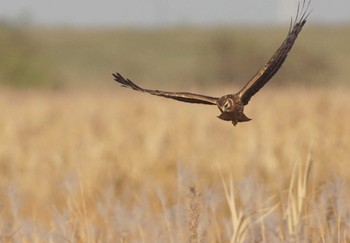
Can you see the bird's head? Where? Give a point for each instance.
(226, 104)
(231, 109)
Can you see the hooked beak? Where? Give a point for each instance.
(222, 108)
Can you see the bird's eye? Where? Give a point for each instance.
(226, 105)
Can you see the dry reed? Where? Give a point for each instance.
(106, 167)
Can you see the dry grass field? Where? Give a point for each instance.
(103, 166)
(83, 160)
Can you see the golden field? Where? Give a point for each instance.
(116, 166)
(83, 160)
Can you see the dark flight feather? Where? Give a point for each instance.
(180, 96)
(276, 61)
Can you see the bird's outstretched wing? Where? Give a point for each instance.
(180, 96)
(276, 61)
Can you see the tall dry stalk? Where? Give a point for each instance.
(193, 209)
(296, 197)
(86, 235)
(239, 220)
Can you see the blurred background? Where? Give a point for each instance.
(84, 160)
(77, 43)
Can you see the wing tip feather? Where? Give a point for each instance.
(295, 27)
(125, 82)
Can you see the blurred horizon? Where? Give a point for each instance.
(70, 44)
(165, 13)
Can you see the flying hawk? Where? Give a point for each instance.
(231, 106)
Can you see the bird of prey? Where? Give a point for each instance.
(231, 105)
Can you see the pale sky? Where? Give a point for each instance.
(168, 12)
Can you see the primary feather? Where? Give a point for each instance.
(276, 61)
(180, 96)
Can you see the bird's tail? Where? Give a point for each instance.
(243, 118)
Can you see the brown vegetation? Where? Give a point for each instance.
(101, 167)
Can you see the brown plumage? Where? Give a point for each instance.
(232, 105)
